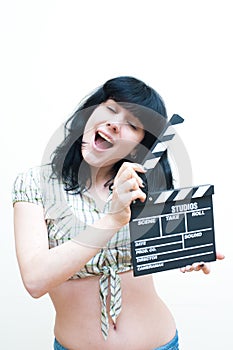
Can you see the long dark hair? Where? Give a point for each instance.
(143, 101)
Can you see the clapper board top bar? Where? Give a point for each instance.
(179, 194)
(183, 193)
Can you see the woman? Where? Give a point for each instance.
(71, 224)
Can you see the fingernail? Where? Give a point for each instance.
(143, 168)
(202, 265)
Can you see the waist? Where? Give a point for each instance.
(144, 318)
(171, 345)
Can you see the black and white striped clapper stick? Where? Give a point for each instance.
(161, 143)
(183, 194)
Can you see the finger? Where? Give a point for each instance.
(197, 266)
(138, 194)
(128, 192)
(220, 256)
(126, 198)
(127, 174)
(205, 267)
(127, 186)
(134, 166)
(187, 268)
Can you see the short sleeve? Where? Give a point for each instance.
(26, 187)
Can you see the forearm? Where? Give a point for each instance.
(47, 268)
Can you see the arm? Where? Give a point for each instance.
(42, 268)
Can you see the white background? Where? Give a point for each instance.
(53, 53)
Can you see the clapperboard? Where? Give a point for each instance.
(172, 228)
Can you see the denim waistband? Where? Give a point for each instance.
(172, 345)
(58, 346)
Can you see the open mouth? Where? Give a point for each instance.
(102, 141)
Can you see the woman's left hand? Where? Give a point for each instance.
(202, 266)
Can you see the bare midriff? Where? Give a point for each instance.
(143, 324)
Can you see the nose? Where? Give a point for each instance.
(114, 126)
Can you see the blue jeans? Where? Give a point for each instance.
(172, 345)
(58, 346)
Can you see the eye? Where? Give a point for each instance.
(112, 109)
(132, 125)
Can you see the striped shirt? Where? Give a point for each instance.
(66, 215)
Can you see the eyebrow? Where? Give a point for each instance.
(129, 107)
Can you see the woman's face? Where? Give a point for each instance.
(111, 133)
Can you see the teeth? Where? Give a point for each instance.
(104, 137)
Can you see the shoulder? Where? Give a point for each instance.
(27, 185)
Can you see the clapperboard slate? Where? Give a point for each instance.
(172, 229)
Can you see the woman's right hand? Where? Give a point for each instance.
(126, 188)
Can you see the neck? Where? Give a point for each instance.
(99, 176)
(98, 190)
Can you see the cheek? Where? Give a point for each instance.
(86, 137)
(88, 128)
(133, 137)
(126, 146)
(140, 136)
(88, 132)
